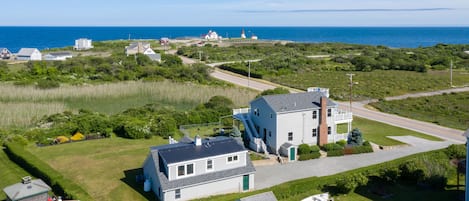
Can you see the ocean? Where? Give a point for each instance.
(15, 38)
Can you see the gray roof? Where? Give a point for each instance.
(294, 101)
(287, 145)
(267, 196)
(184, 152)
(59, 54)
(203, 178)
(26, 51)
(19, 191)
(154, 57)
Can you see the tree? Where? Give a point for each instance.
(355, 138)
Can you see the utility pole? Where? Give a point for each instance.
(200, 56)
(451, 74)
(249, 71)
(351, 84)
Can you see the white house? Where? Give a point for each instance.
(58, 56)
(211, 35)
(4, 53)
(279, 123)
(32, 54)
(189, 170)
(83, 44)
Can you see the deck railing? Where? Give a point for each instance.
(241, 111)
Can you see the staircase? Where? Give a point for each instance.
(255, 142)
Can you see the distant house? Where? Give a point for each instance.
(137, 47)
(164, 41)
(28, 190)
(211, 35)
(83, 44)
(142, 48)
(280, 123)
(31, 54)
(4, 53)
(58, 56)
(189, 170)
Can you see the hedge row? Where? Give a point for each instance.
(59, 184)
(313, 155)
(240, 71)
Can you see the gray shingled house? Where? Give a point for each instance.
(27, 190)
(188, 170)
(4, 53)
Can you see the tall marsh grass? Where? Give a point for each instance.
(21, 104)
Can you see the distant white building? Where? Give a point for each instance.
(58, 56)
(212, 35)
(31, 54)
(254, 37)
(243, 34)
(83, 44)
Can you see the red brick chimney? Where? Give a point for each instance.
(323, 122)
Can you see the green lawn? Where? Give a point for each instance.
(105, 168)
(377, 132)
(450, 110)
(10, 173)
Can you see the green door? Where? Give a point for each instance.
(245, 182)
(292, 153)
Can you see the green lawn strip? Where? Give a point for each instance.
(450, 110)
(100, 166)
(377, 132)
(302, 188)
(10, 173)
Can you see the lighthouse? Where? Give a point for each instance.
(243, 35)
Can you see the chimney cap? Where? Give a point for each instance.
(26, 180)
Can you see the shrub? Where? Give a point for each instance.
(348, 183)
(355, 138)
(315, 148)
(389, 174)
(339, 152)
(332, 147)
(314, 155)
(304, 149)
(456, 151)
(342, 143)
(367, 143)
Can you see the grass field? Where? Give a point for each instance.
(377, 132)
(10, 173)
(20, 106)
(375, 84)
(450, 110)
(104, 168)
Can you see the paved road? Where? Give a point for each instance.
(267, 176)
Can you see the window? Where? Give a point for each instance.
(177, 194)
(315, 114)
(232, 159)
(270, 133)
(315, 132)
(329, 112)
(329, 130)
(209, 164)
(290, 136)
(190, 169)
(258, 112)
(184, 170)
(181, 170)
(271, 115)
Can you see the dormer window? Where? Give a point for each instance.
(232, 159)
(209, 164)
(185, 170)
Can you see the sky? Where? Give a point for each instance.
(236, 13)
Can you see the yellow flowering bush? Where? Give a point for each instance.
(62, 139)
(77, 137)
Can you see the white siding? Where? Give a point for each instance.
(219, 164)
(231, 185)
(267, 119)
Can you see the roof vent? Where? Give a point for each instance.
(198, 140)
(26, 180)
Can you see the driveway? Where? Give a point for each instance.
(267, 176)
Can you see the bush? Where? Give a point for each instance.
(456, 151)
(315, 148)
(355, 138)
(342, 143)
(304, 149)
(59, 184)
(314, 155)
(348, 183)
(332, 147)
(339, 152)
